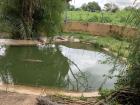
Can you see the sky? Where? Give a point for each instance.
(120, 3)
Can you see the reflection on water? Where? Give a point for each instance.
(2, 50)
(54, 66)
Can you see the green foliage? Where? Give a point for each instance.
(135, 17)
(129, 8)
(130, 77)
(84, 7)
(91, 6)
(111, 7)
(52, 16)
(108, 7)
(134, 64)
(109, 42)
(119, 17)
(101, 19)
(105, 93)
(28, 18)
(83, 98)
(71, 7)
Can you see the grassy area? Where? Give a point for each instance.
(113, 44)
(119, 18)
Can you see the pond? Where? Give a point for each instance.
(69, 66)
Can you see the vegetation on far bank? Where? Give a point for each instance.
(112, 43)
(118, 18)
(110, 13)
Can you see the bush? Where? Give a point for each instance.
(94, 19)
(104, 19)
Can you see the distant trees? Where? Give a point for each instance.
(94, 6)
(108, 7)
(91, 6)
(84, 7)
(111, 7)
(129, 8)
(71, 7)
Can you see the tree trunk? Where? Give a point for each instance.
(27, 16)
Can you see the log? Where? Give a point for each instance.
(45, 101)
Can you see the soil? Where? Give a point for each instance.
(12, 98)
(43, 40)
(9, 98)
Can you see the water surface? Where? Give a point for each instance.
(68, 66)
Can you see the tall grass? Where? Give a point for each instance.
(118, 18)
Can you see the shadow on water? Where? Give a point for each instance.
(55, 66)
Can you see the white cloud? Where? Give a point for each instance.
(124, 3)
(120, 3)
(78, 3)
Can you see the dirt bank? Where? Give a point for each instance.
(45, 91)
(8, 98)
(16, 95)
(11, 98)
(57, 39)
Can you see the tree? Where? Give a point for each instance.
(28, 18)
(108, 7)
(84, 7)
(77, 9)
(91, 6)
(129, 8)
(114, 8)
(111, 7)
(71, 7)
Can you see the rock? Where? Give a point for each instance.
(43, 39)
(71, 39)
(106, 49)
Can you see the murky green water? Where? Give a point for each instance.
(68, 66)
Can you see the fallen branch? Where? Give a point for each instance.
(123, 97)
(45, 101)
